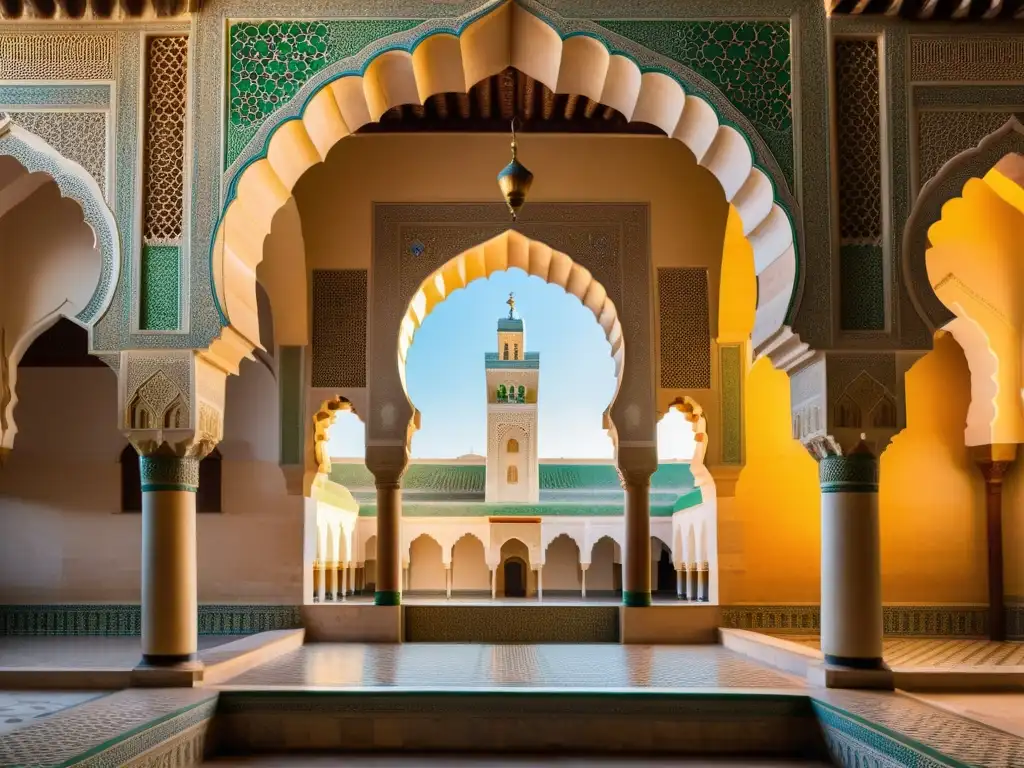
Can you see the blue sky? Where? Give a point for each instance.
(445, 372)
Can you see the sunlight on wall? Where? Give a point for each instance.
(737, 298)
(347, 437)
(931, 496)
(769, 536)
(675, 437)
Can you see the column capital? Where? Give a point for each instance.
(387, 463)
(993, 460)
(854, 472)
(168, 472)
(171, 402)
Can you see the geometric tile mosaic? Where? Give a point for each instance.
(60, 56)
(748, 61)
(159, 284)
(271, 60)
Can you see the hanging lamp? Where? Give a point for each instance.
(514, 180)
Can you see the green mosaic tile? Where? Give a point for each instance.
(862, 288)
(159, 282)
(748, 61)
(272, 60)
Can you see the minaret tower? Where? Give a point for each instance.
(512, 387)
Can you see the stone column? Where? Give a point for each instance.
(691, 582)
(636, 465)
(680, 576)
(388, 463)
(851, 573)
(540, 582)
(448, 581)
(170, 604)
(583, 579)
(993, 461)
(343, 570)
(494, 584)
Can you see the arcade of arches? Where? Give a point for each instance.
(222, 344)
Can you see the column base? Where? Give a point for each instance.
(855, 662)
(167, 660)
(387, 598)
(636, 599)
(831, 675)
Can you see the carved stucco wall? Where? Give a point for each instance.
(610, 240)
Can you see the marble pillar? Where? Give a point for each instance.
(851, 573)
(170, 604)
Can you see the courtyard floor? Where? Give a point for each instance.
(937, 653)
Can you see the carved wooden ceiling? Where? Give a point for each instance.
(932, 10)
(491, 104)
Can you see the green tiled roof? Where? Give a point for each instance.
(453, 490)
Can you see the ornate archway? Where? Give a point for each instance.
(85, 288)
(503, 34)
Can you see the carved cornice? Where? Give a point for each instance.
(930, 10)
(94, 10)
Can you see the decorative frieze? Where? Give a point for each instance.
(966, 58)
(58, 56)
(684, 332)
(897, 620)
(166, 78)
(944, 134)
(126, 620)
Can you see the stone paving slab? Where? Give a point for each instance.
(937, 653)
(20, 708)
(455, 665)
(83, 652)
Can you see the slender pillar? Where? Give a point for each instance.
(494, 584)
(170, 604)
(389, 564)
(583, 580)
(540, 583)
(405, 577)
(332, 588)
(636, 567)
(993, 461)
(448, 581)
(851, 573)
(344, 579)
(691, 582)
(679, 583)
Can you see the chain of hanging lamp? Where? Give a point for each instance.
(515, 180)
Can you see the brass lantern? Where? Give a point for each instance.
(514, 180)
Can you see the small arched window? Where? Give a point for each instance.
(506, 351)
(502, 392)
(512, 475)
(522, 394)
(515, 348)
(513, 446)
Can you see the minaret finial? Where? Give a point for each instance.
(511, 306)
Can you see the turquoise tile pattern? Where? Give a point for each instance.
(748, 61)
(160, 284)
(272, 60)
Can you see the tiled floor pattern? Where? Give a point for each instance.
(456, 761)
(444, 665)
(18, 708)
(921, 652)
(54, 740)
(1004, 711)
(83, 652)
(965, 740)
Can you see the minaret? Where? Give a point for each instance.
(512, 388)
